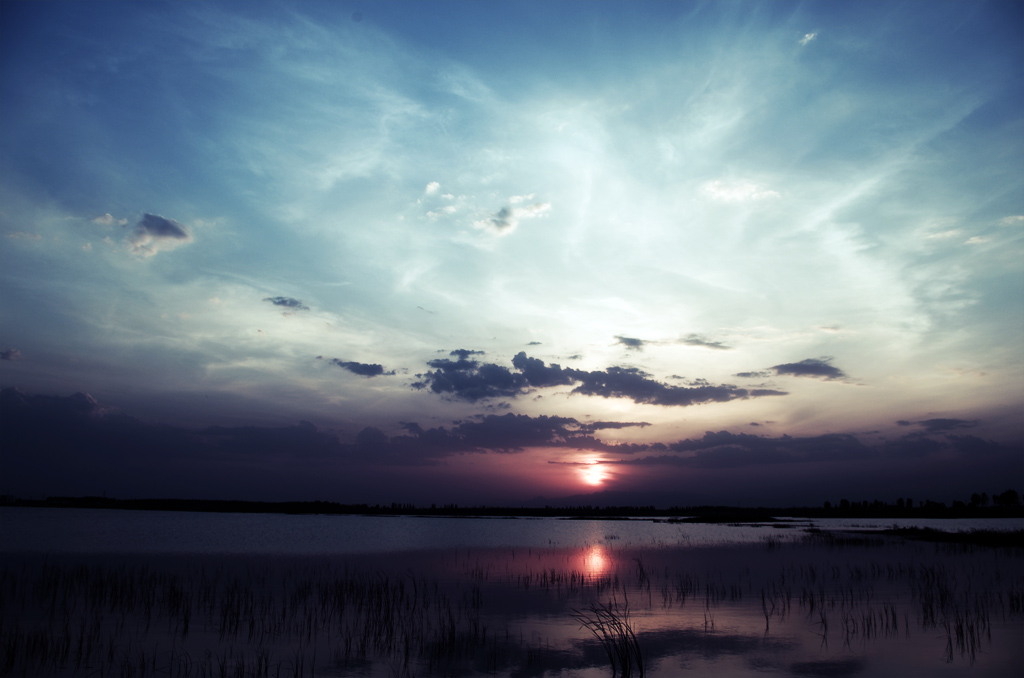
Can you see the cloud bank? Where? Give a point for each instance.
(471, 380)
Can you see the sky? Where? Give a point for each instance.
(666, 253)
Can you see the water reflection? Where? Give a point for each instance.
(595, 562)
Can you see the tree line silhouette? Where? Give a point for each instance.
(1003, 504)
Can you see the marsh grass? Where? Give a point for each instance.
(614, 630)
(505, 614)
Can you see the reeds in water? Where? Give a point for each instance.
(613, 629)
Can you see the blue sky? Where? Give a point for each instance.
(778, 221)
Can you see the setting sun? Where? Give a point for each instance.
(593, 474)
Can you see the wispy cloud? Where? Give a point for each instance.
(22, 235)
(109, 220)
(702, 341)
(736, 191)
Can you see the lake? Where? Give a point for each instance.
(105, 592)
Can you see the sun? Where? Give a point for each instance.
(593, 474)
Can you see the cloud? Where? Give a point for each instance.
(753, 375)
(807, 38)
(539, 375)
(362, 369)
(736, 191)
(630, 382)
(598, 425)
(630, 342)
(109, 220)
(472, 381)
(469, 380)
(288, 302)
(75, 445)
(445, 211)
(698, 340)
(811, 367)
(1015, 220)
(724, 449)
(505, 220)
(432, 188)
(942, 235)
(155, 233)
(940, 425)
(11, 354)
(762, 392)
(22, 235)
(912, 446)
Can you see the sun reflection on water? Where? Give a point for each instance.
(595, 561)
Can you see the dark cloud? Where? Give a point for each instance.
(722, 448)
(597, 425)
(534, 343)
(470, 380)
(507, 433)
(631, 342)
(75, 446)
(971, 446)
(154, 233)
(761, 392)
(940, 425)
(362, 369)
(538, 374)
(630, 382)
(753, 375)
(11, 354)
(302, 441)
(55, 445)
(288, 302)
(811, 367)
(913, 445)
(698, 340)
(463, 353)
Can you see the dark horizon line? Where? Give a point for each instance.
(704, 513)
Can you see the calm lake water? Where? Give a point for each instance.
(103, 592)
(116, 531)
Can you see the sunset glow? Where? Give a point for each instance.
(594, 474)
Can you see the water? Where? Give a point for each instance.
(100, 592)
(54, 530)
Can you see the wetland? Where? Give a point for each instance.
(133, 593)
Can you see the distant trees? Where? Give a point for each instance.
(1008, 499)
(979, 503)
